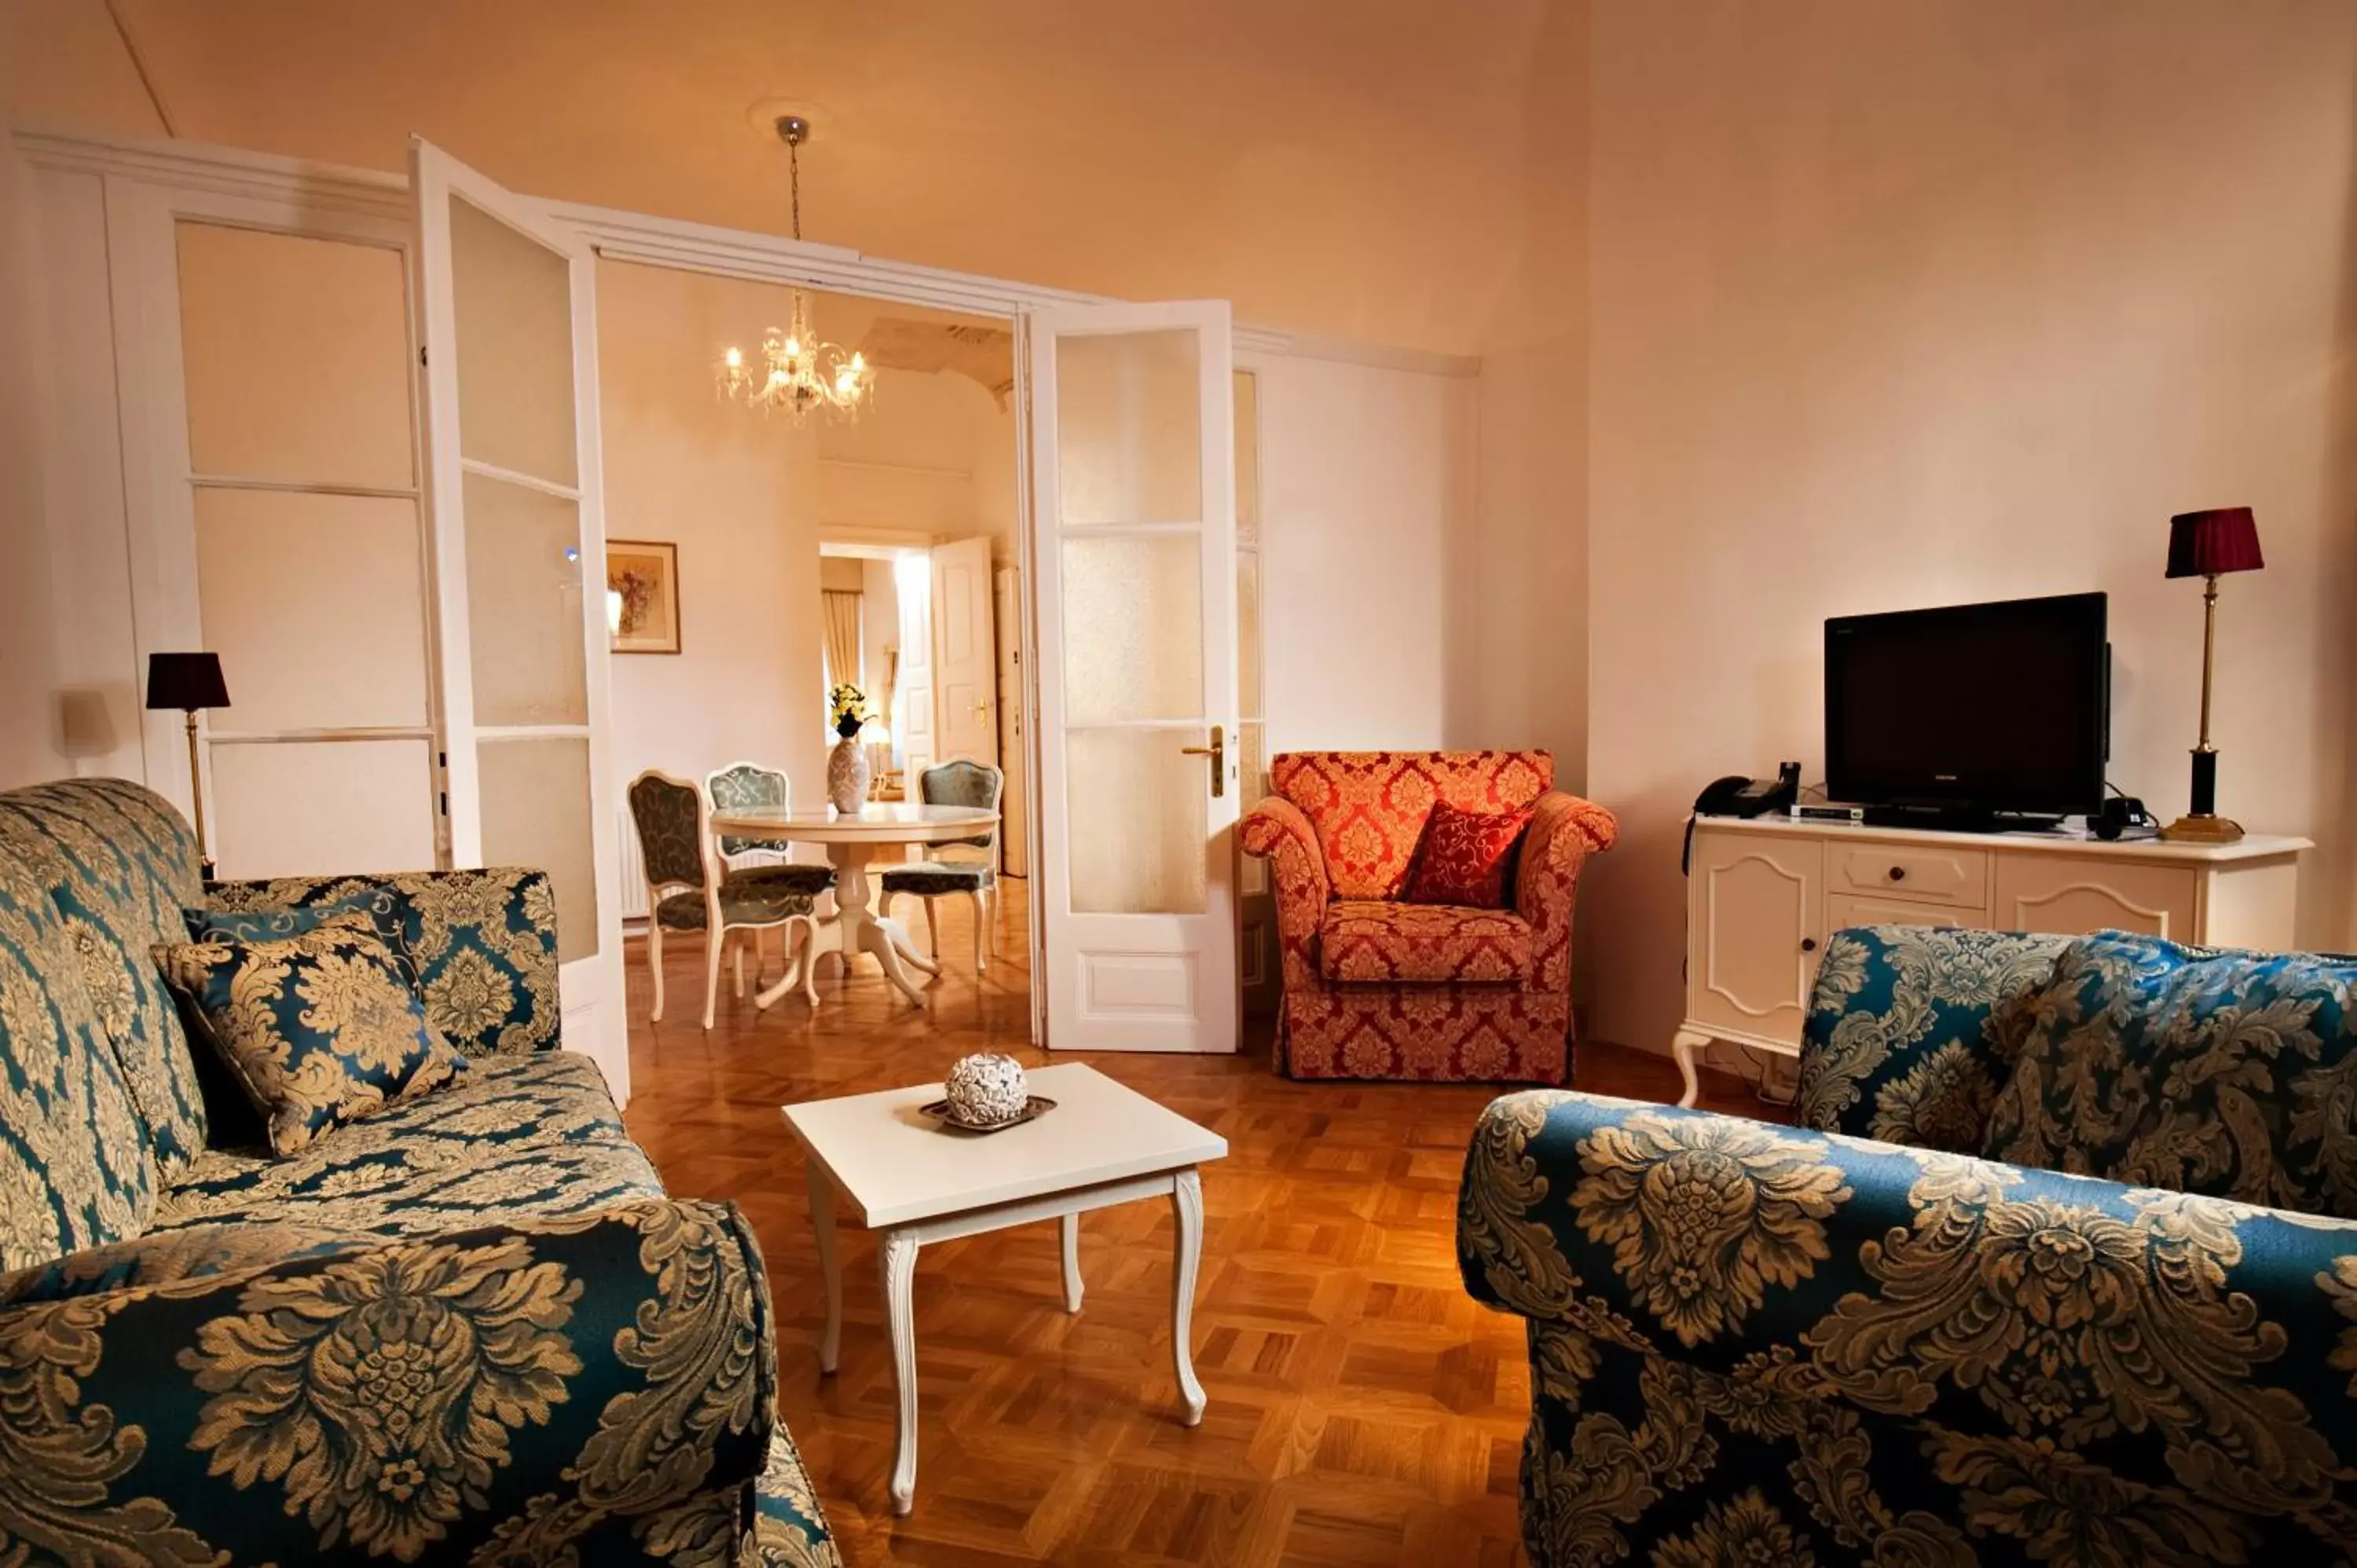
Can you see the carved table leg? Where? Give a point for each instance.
(1186, 1207)
(830, 1266)
(899, 1257)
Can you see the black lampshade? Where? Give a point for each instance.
(185, 680)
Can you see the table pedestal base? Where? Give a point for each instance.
(852, 930)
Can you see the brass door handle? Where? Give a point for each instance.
(1218, 752)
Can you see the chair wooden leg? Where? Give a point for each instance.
(932, 931)
(981, 931)
(736, 960)
(654, 965)
(714, 942)
(810, 961)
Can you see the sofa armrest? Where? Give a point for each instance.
(1278, 832)
(1565, 829)
(596, 1388)
(485, 943)
(1985, 1334)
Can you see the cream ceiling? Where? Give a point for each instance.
(1356, 167)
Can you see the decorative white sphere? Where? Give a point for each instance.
(986, 1089)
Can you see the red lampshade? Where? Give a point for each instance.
(2212, 543)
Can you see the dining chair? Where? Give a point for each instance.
(749, 787)
(688, 889)
(959, 782)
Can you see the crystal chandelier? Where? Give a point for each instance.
(797, 371)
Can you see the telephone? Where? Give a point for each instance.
(1736, 795)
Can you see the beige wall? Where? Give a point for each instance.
(29, 739)
(748, 500)
(738, 495)
(1518, 645)
(1907, 305)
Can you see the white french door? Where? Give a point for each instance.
(965, 651)
(1134, 544)
(511, 445)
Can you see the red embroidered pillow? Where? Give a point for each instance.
(1466, 857)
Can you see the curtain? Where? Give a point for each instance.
(841, 614)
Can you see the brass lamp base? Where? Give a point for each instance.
(2203, 827)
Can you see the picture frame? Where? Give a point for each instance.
(643, 595)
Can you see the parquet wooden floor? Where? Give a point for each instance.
(1363, 1410)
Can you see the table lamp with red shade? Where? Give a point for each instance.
(2209, 544)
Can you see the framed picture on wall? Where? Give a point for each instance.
(643, 595)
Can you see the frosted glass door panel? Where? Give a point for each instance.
(524, 605)
(296, 355)
(1247, 387)
(316, 605)
(536, 812)
(514, 307)
(1133, 627)
(1129, 428)
(322, 808)
(1248, 631)
(1136, 807)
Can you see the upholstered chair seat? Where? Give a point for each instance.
(1375, 941)
(738, 907)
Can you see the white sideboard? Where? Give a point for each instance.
(1763, 893)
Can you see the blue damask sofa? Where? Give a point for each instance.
(1863, 1342)
(470, 1329)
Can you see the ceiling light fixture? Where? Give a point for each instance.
(796, 371)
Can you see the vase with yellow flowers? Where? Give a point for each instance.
(846, 764)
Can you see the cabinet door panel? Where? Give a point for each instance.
(1755, 921)
(2072, 895)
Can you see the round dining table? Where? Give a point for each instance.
(852, 839)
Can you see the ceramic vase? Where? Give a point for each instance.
(846, 775)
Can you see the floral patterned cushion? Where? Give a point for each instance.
(1912, 1030)
(2232, 1074)
(321, 1027)
(1466, 857)
(484, 941)
(1374, 941)
(1368, 808)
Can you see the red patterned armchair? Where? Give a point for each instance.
(1378, 988)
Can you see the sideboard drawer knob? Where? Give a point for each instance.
(1898, 874)
(1808, 944)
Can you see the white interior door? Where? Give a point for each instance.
(966, 653)
(1134, 547)
(513, 459)
(912, 698)
(1013, 832)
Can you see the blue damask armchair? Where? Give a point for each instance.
(1858, 1342)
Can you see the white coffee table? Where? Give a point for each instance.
(903, 1174)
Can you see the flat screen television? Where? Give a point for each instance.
(1962, 714)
